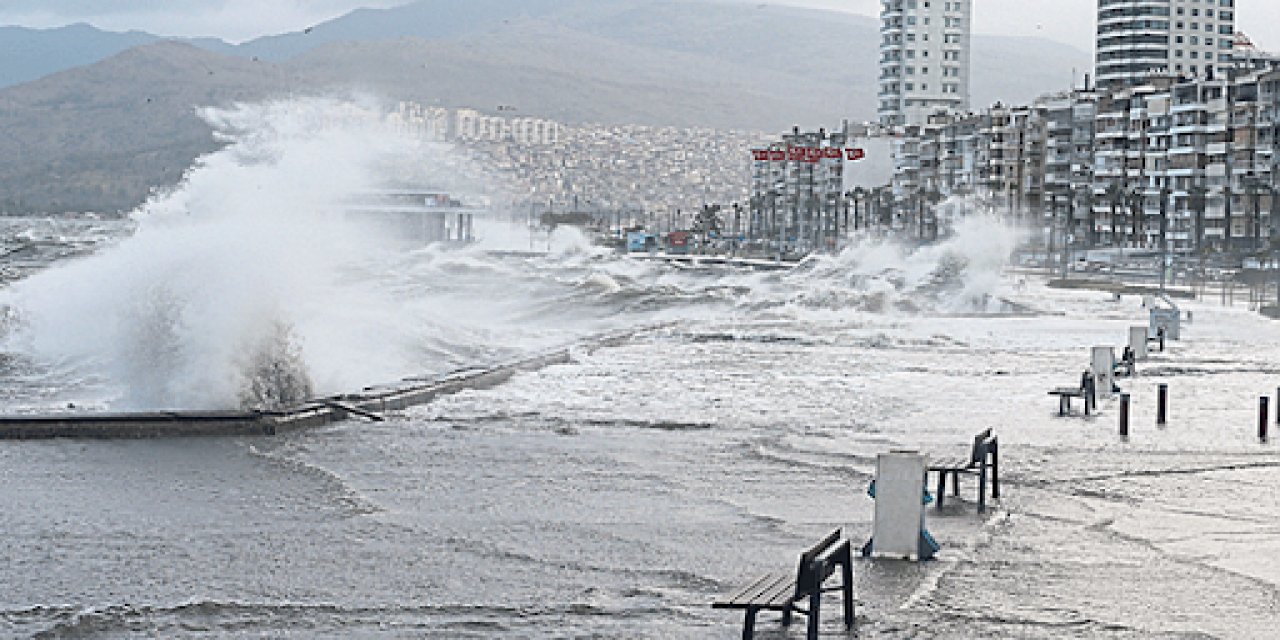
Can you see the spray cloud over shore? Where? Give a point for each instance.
(242, 285)
(246, 287)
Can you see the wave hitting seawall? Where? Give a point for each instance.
(368, 403)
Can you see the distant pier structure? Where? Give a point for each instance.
(417, 216)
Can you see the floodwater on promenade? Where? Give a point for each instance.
(618, 495)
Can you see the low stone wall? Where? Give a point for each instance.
(314, 413)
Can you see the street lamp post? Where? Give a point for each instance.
(1137, 209)
(1114, 195)
(1164, 234)
(1051, 227)
(1255, 191)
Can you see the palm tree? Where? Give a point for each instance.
(1197, 200)
(1115, 194)
(1137, 206)
(1090, 232)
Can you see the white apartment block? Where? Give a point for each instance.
(470, 124)
(1182, 38)
(924, 59)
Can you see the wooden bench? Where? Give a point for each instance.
(1127, 365)
(781, 591)
(1085, 392)
(984, 456)
(1158, 339)
(1065, 394)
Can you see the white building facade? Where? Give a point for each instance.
(1181, 38)
(924, 59)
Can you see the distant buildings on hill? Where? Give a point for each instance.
(631, 172)
(440, 124)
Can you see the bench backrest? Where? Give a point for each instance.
(819, 562)
(981, 445)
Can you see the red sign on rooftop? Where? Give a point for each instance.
(806, 154)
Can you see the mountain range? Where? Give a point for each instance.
(93, 120)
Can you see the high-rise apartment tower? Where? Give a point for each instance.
(924, 59)
(1188, 38)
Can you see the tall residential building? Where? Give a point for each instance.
(924, 59)
(1182, 38)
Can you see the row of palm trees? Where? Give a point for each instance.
(1128, 226)
(775, 216)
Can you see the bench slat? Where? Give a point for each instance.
(817, 549)
(781, 596)
(750, 591)
(750, 594)
(951, 464)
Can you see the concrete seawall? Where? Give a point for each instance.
(368, 403)
(133, 425)
(695, 260)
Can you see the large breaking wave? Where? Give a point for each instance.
(245, 286)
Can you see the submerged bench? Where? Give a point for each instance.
(1085, 392)
(1158, 338)
(1127, 365)
(983, 457)
(781, 591)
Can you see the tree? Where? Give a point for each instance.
(1090, 232)
(708, 221)
(1115, 194)
(1137, 204)
(1197, 201)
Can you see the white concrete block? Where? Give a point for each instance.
(1103, 366)
(900, 477)
(1138, 342)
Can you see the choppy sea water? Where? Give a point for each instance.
(617, 496)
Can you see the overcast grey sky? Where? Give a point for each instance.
(1070, 21)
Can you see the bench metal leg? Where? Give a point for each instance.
(749, 625)
(982, 486)
(955, 483)
(995, 470)
(847, 577)
(815, 602)
(786, 617)
(942, 488)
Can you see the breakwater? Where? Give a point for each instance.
(368, 403)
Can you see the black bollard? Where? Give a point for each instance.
(1262, 418)
(1124, 415)
(1277, 405)
(1162, 404)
